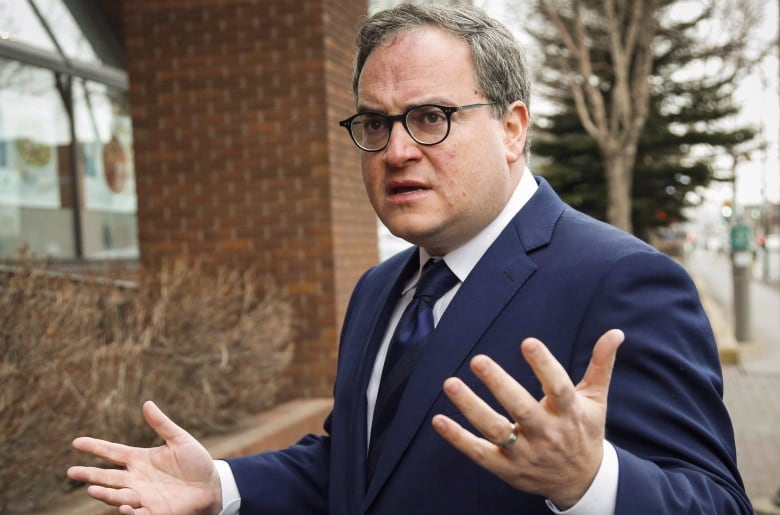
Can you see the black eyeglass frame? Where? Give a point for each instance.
(391, 119)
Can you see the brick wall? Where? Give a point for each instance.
(239, 156)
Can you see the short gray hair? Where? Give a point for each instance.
(500, 67)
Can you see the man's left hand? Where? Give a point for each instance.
(552, 447)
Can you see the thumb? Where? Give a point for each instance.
(165, 428)
(599, 373)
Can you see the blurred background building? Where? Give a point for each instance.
(133, 131)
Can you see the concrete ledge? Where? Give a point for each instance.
(728, 347)
(276, 428)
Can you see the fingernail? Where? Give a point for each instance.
(452, 385)
(479, 363)
(531, 346)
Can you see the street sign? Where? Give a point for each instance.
(740, 237)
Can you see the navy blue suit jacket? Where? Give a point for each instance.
(564, 278)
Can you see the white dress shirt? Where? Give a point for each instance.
(601, 496)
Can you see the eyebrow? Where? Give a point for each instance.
(437, 101)
(364, 109)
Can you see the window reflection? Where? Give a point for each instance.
(105, 143)
(35, 144)
(67, 180)
(19, 22)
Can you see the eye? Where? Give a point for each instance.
(371, 124)
(427, 116)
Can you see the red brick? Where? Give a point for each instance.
(216, 87)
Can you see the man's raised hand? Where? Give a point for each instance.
(177, 477)
(552, 447)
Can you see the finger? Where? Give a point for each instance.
(165, 428)
(112, 478)
(493, 426)
(129, 510)
(522, 407)
(111, 452)
(520, 404)
(595, 382)
(113, 496)
(477, 449)
(556, 384)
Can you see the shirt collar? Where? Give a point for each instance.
(464, 258)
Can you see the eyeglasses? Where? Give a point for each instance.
(427, 124)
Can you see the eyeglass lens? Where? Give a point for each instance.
(427, 124)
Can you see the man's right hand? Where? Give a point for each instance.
(178, 477)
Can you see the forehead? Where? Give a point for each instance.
(414, 65)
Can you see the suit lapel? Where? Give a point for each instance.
(374, 325)
(470, 313)
(495, 279)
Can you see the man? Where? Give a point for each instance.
(483, 424)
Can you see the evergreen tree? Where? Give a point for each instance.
(676, 149)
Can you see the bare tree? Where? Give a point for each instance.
(614, 114)
(630, 27)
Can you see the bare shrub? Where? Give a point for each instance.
(80, 357)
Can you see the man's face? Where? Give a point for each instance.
(440, 196)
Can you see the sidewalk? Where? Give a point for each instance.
(751, 396)
(752, 400)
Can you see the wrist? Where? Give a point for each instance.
(216, 503)
(601, 495)
(564, 499)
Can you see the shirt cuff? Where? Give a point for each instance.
(601, 496)
(231, 500)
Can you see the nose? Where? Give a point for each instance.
(401, 147)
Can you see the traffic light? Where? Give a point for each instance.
(727, 210)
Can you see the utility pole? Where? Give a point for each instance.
(741, 259)
(740, 239)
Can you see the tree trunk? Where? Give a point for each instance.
(616, 124)
(619, 168)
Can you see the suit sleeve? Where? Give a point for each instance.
(286, 482)
(665, 414)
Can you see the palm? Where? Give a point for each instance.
(155, 473)
(178, 477)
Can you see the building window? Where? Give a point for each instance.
(105, 149)
(35, 145)
(67, 181)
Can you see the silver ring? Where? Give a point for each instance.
(510, 440)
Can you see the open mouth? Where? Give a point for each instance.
(402, 190)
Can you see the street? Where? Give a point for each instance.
(713, 272)
(750, 388)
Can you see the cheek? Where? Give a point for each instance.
(461, 172)
(448, 165)
(369, 172)
(373, 183)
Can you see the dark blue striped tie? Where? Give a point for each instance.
(405, 348)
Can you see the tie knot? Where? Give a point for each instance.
(436, 280)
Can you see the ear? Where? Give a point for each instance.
(515, 122)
